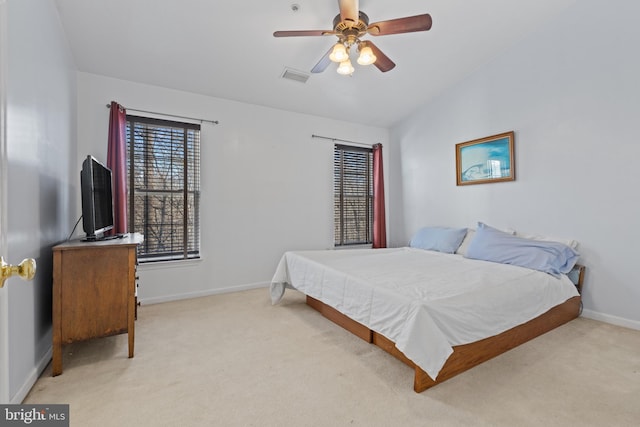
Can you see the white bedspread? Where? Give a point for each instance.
(424, 301)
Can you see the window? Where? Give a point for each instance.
(353, 195)
(163, 165)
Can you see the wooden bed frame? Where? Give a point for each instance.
(465, 356)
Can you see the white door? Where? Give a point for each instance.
(4, 304)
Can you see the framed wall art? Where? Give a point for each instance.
(486, 160)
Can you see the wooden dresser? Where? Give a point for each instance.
(94, 291)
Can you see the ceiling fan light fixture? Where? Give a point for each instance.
(345, 68)
(339, 53)
(350, 26)
(366, 56)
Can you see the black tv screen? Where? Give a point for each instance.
(97, 198)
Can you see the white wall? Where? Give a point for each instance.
(571, 94)
(41, 112)
(267, 186)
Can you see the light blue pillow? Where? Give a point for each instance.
(441, 239)
(490, 244)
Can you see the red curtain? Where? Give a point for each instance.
(117, 162)
(379, 222)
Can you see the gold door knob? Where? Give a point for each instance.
(26, 270)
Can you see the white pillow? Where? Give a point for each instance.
(573, 244)
(462, 249)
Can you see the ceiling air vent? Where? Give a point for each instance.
(298, 76)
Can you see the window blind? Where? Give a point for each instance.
(353, 195)
(164, 187)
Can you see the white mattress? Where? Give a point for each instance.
(425, 302)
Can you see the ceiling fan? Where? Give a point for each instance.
(350, 26)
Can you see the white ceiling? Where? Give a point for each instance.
(226, 49)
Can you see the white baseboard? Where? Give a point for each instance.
(614, 320)
(205, 293)
(32, 378)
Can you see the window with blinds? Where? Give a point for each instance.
(353, 195)
(163, 164)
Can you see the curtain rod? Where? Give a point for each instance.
(343, 140)
(215, 122)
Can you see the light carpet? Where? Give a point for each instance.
(236, 360)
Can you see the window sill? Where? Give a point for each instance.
(359, 246)
(162, 265)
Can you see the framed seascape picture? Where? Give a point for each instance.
(486, 160)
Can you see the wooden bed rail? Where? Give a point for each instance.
(465, 356)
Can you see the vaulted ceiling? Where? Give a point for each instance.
(226, 49)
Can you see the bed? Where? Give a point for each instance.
(438, 309)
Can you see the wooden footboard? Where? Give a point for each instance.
(466, 356)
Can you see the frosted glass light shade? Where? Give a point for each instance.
(366, 56)
(345, 68)
(339, 53)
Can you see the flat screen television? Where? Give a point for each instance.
(97, 198)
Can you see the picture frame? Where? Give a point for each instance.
(486, 160)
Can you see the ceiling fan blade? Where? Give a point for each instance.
(401, 25)
(323, 63)
(303, 33)
(383, 62)
(349, 10)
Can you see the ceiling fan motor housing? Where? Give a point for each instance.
(349, 31)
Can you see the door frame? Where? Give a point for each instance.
(4, 292)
